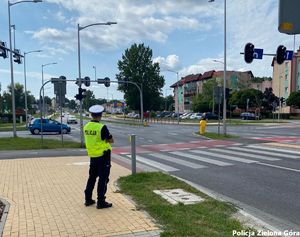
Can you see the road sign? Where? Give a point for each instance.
(289, 55)
(258, 53)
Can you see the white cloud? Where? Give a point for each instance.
(171, 62)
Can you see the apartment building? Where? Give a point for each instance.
(189, 86)
(286, 79)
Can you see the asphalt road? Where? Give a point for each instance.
(263, 181)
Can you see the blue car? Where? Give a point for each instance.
(48, 126)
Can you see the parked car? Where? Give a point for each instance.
(211, 116)
(249, 116)
(48, 126)
(196, 116)
(71, 119)
(187, 115)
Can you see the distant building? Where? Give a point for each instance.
(189, 86)
(286, 79)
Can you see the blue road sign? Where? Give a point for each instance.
(289, 55)
(258, 53)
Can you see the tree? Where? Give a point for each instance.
(137, 66)
(240, 98)
(269, 99)
(72, 104)
(89, 100)
(169, 103)
(19, 98)
(294, 99)
(200, 103)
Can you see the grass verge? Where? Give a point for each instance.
(211, 218)
(213, 135)
(20, 143)
(5, 127)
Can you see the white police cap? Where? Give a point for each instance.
(96, 109)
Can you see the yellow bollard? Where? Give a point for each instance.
(202, 126)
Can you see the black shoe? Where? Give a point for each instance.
(89, 202)
(104, 205)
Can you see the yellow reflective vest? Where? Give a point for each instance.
(94, 144)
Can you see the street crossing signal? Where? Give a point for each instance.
(17, 56)
(80, 94)
(280, 54)
(248, 53)
(3, 51)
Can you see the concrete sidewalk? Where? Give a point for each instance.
(46, 199)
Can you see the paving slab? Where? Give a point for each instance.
(46, 199)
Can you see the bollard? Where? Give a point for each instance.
(133, 154)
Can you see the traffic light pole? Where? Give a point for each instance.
(79, 78)
(12, 76)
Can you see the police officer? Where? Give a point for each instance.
(98, 144)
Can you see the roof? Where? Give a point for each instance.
(208, 74)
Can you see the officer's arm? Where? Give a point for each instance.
(105, 135)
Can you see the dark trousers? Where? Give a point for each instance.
(99, 167)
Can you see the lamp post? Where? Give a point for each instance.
(79, 28)
(95, 69)
(11, 64)
(25, 85)
(224, 76)
(44, 65)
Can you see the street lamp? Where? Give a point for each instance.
(79, 28)
(95, 69)
(224, 76)
(44, 65)
(11, 65)
(26, 107)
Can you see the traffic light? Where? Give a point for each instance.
(3, 51)
(282, 100)
(227, 93)
(80, 94)
(87, 81)
(17, 56)
(280, 54)
(248, 52)
(105, 81)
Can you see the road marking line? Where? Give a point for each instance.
(243, 160)
(155, 164)
(278, 167)
(201, 147)
(183, 149)
(274, 149)
(200, 158)
(247, 155)
(264, 152)
(178, 161)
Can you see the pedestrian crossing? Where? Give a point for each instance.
(199, 158)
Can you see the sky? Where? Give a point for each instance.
(186, 36)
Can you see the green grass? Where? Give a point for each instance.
(20, 143)
(210, 218)
(213, 135)
(5, 127)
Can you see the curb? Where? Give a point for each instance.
(4, 215)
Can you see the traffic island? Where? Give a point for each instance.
(212, 135)
(207, 218)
